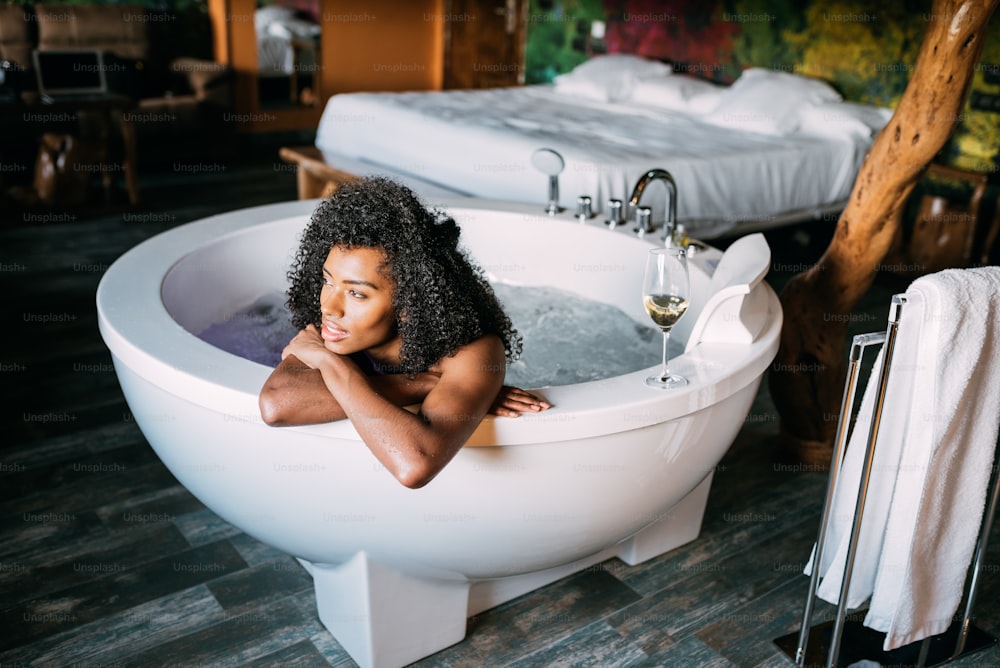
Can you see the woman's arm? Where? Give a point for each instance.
(413, 447)
(416, 447)
(295, 394)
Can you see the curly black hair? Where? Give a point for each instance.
(441, 298)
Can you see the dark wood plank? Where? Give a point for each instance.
(115, 587)
(255, 553)
(302, 653)
(531, 622)
(691, 651)
(161, 506)
(201, 527)
(111, 466)
(81, 497)
(23, 581)
(259, 586)
(105, 640)
(235, 640)
(595, 644)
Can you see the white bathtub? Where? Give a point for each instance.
(614, 469)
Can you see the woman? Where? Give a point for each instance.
(391, 314)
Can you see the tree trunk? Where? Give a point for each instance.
(807, 377)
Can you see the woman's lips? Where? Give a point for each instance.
(332, 333)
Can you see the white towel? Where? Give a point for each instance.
(937, 507)
(931, 468)
(892, 430)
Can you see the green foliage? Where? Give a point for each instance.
(976, 145)
(761, 42)
(556, 36)
(867, 54)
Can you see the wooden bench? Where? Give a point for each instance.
(314, 178)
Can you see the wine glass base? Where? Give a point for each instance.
(666, 382)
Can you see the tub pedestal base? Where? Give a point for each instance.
(383, 617)
(681, 525)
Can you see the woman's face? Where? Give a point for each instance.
(356, 304)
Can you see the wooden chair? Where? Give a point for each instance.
(945, 230)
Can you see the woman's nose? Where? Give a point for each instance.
(331, 303)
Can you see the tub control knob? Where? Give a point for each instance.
(584, 211)
(643, 218)
(616, 215)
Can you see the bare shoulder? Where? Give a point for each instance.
(482, 357)
(469, 382)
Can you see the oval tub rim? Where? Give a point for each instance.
(716, 370)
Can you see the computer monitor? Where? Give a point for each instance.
(70, 72)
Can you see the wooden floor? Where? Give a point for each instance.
(105, 560)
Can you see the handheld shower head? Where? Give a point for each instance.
(550, 163)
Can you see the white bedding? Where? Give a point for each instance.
(479, 143)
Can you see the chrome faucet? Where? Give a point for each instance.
(671, 208)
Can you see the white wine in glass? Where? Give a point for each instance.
(665, 296)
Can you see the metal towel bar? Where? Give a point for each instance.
(938, 649)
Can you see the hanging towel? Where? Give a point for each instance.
(892, 429)
(945, 463)
(932, 462)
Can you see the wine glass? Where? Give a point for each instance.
(665, 296)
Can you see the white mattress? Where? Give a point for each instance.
(479, 143)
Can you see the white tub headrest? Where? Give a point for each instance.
(734, 312)
(745, 262)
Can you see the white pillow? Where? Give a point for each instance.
(265, 15)
(843, 119)
(678, 93)
(768, 101)
(609, 78)
(281, 21)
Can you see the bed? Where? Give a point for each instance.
(285, 42)
(771, 148)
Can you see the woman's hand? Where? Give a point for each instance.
(512, 401)
(308, 347)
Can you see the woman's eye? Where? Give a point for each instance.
(355, 293)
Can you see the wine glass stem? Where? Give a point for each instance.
(665, 372)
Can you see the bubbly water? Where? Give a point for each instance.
(570, 339)
(567, 339)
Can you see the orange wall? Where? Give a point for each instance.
(382, 45)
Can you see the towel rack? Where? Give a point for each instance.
(963, 637)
